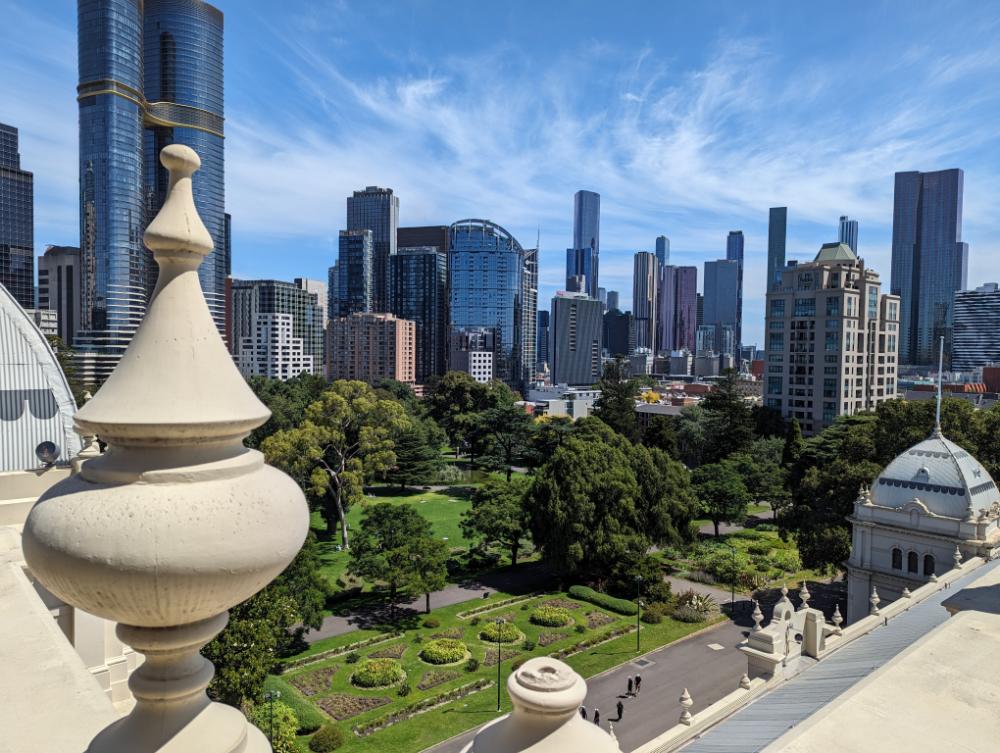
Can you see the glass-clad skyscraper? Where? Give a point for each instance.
(734, 252)
(662, 250)
(777, 234)
(419, 292)
(17, 228)
(493, 291)
(354, 270)
(377, 209)
(583, 259)
(848, 232)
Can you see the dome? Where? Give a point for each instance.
(940, 475)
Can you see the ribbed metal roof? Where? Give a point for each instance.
(36, 404)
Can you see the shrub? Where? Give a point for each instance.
(788, 561)
(432, 622)
(766, 527)
(472, 664)
(551, 617)
(277, 717)
(502, 632)
(658, 592)
(474, 621)
(327, 739)
(404, 690)
(700, 576)
(525, 607)
(516, 664)
(701, 602)
(580, 629)
(759, 547)
(377, 673)
(353, 658)
(443, 651)
(418, 638)
(528, 645)
(621, 606)
(654, 613)
(309, 718)
(686, 613)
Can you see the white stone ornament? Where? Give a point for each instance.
(837, 620)
(686, 704)
(757, 616)
(874, 601)
(906, 594)
(805, 596)
(745, 681)
(957, 557)
(177, 521)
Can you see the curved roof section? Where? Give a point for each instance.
(490, 227)
(946, 479)
(835, 252)
(36, 404)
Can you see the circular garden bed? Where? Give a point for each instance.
(378, 673)
(442, 651)
(503, 632)
(551, 616)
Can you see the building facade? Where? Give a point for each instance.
(355, 271)
(613, 300)
(666, 308)
(929, 260)
(59, 288)
(645, 280)
(575, 339)
(734, 252)
(832, 340)
(493, 289)
(377, 210)
(722, 304)
(777, 234)
(371, 347)
(848, 233)
(271, 348)
(677, 304)
(619, 333)
(976, 341)
(17, 223)
(419, 293)
(662, 250)
(542, 340)
(583, 259)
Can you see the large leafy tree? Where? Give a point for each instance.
(508, 431)
(763, 473)
(729, 419)
(429, 573)
(498, 516)
(454, 403)
(277, 720)
(348, 437)
(418, 458)
(616, 405)
(550, 432)
(287, 400)
(661, 433)
(722, 492)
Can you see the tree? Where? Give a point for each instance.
(402, 393)
(454, 400)
(691, 435)
(616, 405)
(278, 722)
(724, 496)
(417, 458)
(347, 437)
(763, 473)
(661, 433)
(429, 556)
(498, 516)
(549, 434)
(64, 356)
(729, 419)
(287, 400)
(508, 429)
(395, 545)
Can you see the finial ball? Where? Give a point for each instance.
(180, 160)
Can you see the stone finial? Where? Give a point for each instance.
(874, 601)
(837, 620)
(933, 578)
(784, 590)
(686, 704)
(745, 681)
(805, 596)
(757, 616)
(178, 521)
(906, 593)
(865, 495)
(957, 557)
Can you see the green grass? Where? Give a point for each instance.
(431, 727)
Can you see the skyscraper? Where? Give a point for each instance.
(542, 338)
(685, 307)
(644, 284)
(583, 258)
(734, 252)
(976, 340)
(929, 260)
(849, 232)
(355, 286)
(613, 302)
(376, 209)
(777, 233)
(575, 335)
(619, 333)
(666, 308)
(493, 297)
(17, 227)
(333, 291)
(721, 304)
(59, 287)
(151, 74)
(663, 250)
(419, 293)
(372, 347)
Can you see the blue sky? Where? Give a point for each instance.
(689, 119)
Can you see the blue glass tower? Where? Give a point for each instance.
(583, 259)
(777, 234)
(734, 252)
(17, 228)
(419, 292)
(354, 270)
(721, 299)
(849, 232)
(662, 250)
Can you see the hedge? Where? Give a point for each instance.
(621, 606)
(310, 719)
(327, 739)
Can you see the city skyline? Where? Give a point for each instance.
(678, 98)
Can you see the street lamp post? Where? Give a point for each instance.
(638, 610)
(732, 582)
(271, 696)
(499, 659)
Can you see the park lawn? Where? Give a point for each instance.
(440, 723)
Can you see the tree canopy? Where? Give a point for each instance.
(722, 492)
(616, 405)
(498, 516)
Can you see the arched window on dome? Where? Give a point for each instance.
(928, 564)
(897, 558)
(911, 562)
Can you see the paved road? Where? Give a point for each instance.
(708, 675)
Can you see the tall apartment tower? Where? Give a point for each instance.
(734, 252)
(645, 280)
(419, 293)
(371, 347)
(613, 302)
(619, 334)
(542, 338)
(376, 209)
(677, 309)
(848, 232)
(777, 234)
(662, 250)
(929, 260)
(832, 340)
(721, 306)
(582, 260)
(666, 307)
(59, 287)
(575, 334)
(17, 225)
(333, 290)
(355, 273)
(976, 340)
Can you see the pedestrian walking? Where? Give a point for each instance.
(629, 692)
(638, 684)
(597, 717)
(621, 709)
(583, 711)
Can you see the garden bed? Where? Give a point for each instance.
(395, 651)
(342, 706)
(494, 605)
(547, 639)
(419, 707)
(303, 661)
(490, 658)
(434, 677)
(599, 619)
(314, 682)
(561, 603)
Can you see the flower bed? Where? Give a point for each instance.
(316, 681)
(340, 651)
(561, 603)
(407, 712)
(377, 673)
(502, 632)
(343, 706)
(494, 605)
(434, 677)
(547, 639)
(453, 632)
(444, 651)
(598, 619)
(491, 658)
(551, 617)
(595, 641)
(395, 651)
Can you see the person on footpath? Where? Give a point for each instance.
(638, 684)
(629, 691)
(583, 711)
(621, 709)
(597, 717)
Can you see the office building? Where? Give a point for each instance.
(46, 320)
(472, 350)
(700, 312)
(333, 291)
(377, 210)
(319, 289)
(848, 234)
(676, 309)
(419, 293)
(665, 309)
(277, 329)
(542, 339)
(151, 74)
(59, 288)
(644, 283)
(832, 340)
(619, 333)
(493, 290)
(575, 339)
(721, 303)
(662, 250)
(371, 347)
(734, 252)
(17, 224)
(929, 261)
(613, 302)
(435, 236)
(582, 260)
(976, 341)
(602, 296)
(777, 234)
(355, 274)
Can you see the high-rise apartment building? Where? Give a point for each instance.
(333, 290)
(613, 302)
(666, 307)
(493, 289)
(734, 252)
(677, 305)
(848, 232)
(542, 339)
(371, 347)
(976, 340)
(645, 280)
(619, 333)
(662, 250)
(151, 74)
(777, 234)
(721, 304)
(17, 224)
(319, 288)
(929, 260)
(575, 339)
(376, 209)
(832, 340)
(602, 296)
(59, 287)
(272, 350)
(355, 274)
(419, 293)
(583, 259)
